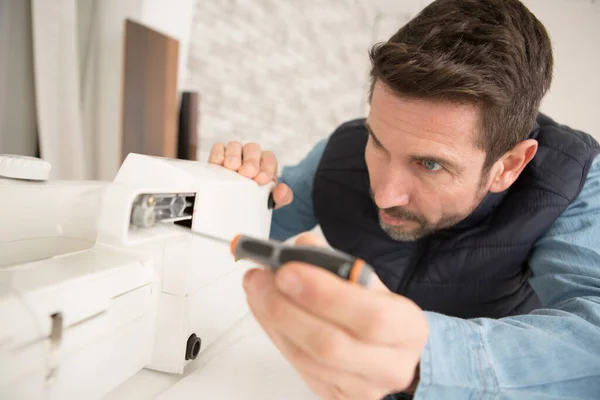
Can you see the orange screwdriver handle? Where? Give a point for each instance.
(274, 254)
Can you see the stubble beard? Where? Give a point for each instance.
(424, 228)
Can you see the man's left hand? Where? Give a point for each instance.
(346, 341)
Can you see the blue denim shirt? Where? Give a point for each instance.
(553, 352)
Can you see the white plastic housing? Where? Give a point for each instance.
(129, 298)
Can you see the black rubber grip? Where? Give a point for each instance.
(274, 254)
(336, 262)
(257, 248)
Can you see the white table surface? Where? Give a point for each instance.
(242, 364)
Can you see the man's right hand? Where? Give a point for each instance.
(254, 163)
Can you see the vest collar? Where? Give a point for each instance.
(485, 208)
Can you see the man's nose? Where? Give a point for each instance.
(393, 189)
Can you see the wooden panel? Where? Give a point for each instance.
(149, 92)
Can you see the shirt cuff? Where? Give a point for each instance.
(454, 363)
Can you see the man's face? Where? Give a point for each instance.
(424, 167)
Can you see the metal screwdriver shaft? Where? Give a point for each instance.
(274, 254)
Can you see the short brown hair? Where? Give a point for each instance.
(493, 53)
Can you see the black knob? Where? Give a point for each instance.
(193, 347)
(271, 202)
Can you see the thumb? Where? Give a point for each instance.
(310, 239)
(377, 285)
(282, 195)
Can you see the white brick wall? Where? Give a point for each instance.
(280, 72)
(285, 73)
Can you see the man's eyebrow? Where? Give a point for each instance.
(377, 142)
(445, 162)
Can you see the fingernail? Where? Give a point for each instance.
(262, 176)
(289, 282)
(254, 281)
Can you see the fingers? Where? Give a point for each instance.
(251, 159)
(233, 156)
(268, 168)
(310, 239)
(217, 154)
(328, 382)
(336, 349)
(251, 162)
(282, 195)
(322, 345)
(289, 351)
(371, 316)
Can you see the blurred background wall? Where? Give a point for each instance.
(279, 72)
(286, 73)
(282, 73)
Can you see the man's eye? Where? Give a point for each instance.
(431, 166)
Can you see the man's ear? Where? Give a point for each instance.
(509, 166)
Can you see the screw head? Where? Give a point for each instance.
(151, 201)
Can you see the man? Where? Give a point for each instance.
(480, 215)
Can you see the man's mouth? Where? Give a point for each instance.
(390, 220)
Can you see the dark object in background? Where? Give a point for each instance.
(150, 96)
(188, 126)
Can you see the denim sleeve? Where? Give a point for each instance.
(553, 352)
(299, 216)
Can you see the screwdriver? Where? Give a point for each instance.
(274, 254)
